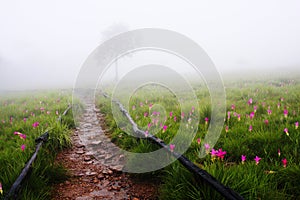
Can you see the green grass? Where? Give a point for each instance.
(267, 180)
(42, 107)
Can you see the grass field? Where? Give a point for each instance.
(257, 154)
(24, 117)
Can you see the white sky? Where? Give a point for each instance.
(44, 43)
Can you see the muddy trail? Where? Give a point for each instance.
(95, 165)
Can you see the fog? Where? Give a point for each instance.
(43, 44)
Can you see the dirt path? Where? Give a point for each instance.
(95, 165)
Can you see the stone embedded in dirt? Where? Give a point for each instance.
(87, 158)
(79, 175)
(90, 173)
(100, 176)
(80, 152)
(96, 142)
(79, 145)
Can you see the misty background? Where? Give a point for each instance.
(44, 43)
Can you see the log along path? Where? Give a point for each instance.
(94, 165)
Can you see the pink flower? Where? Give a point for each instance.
(257, 159)
(150, 105)
(267, 122)
(281, 99)
(149, 125)
(226, 129)
(21, 135)
(199, 140)
(182, 115)
(165, 128)
(250, 128)
(284, 162)
(206, 120)
(175, 118)
(171, 114)
(269, 112)
(296, 125)
(193, 109)
(145, 114)
(214, 153)
(228, 115)
(35, 124)
(286, 130)
(133, 107)
(56, 112)
(278, 105)
(232, 107)
(172, 147)
(207, 147)
(285, 113)
(243, 157)
(221, 153)
(23, 147)
(146, 133)
(255, 108)
(279, 153)
(239, 117)
(251, 115)
(250, 101)
(25, 119)
(1, 190)
(48, 112)
(42, 109)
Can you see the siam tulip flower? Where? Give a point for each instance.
(48, 112)
(145, 114)
(243, 157)
(56, 112)
(172, 147)
(149, 125)
(165, 128)
(269, 112)
(285, 112)
(21, 135)
(250, 101)
(228, 115)
(207, 147)
(239, 117)
(42, 109)
(1, 190)
(232, 107)
(35, 124)
(23, 147)
(150, 106)
(24, 119)
(226, 129)
(286, 130)
(251, 115)
(171, 114)
(193, 109)
(284, 162)
(279, 153)
(206, 120)
(146, 133)
(267, 122)
(296, 125)
(199, 140)
(257, 159)
(255, 108)
(281, 99)
(175, 118)
(213, 153)
(250, 128)
(278, 105)
(133, 107)
(182, 115)
(221, 154)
